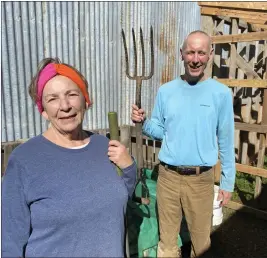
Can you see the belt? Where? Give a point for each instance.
(186, 170)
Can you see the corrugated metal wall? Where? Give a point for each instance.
(88, 36)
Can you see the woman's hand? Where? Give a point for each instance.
(118, 154)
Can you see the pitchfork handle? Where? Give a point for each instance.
(138, 128)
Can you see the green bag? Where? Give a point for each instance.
(142, 221)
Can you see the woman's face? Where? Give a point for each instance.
(64, 104)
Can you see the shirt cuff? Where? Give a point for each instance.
(129, 168)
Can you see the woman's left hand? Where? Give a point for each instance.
(118, 154)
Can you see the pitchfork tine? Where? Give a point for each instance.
(143, 52)
(152, 55)
(135, 54)
(126, 56)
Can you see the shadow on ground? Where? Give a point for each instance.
(240, 235)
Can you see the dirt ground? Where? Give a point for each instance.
(240, 235)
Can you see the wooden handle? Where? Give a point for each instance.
(114, 131)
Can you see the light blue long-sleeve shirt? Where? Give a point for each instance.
(194, 123)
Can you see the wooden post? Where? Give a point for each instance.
(150, 154)
(233, 52)
(217, 72)
(208, 27)
(133, 143)
(102, 132)
(6, 150)
(232, 75)
(125, 136)
(261, 153)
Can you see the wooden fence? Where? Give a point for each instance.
(239, 36)
(150, 154)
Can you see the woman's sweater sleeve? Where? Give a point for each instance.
(129, 177)
(15, 210)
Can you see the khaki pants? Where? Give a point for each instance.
(192, 194)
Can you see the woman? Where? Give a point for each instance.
(61, 195)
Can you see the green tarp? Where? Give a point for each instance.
(142, 221)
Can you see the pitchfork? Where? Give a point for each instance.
(139, 79)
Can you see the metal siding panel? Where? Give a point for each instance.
(7, 125)
(58, 27)
(27, 67)
(93, 65)
(88, 36)
(87, 74)
(70, 32)
(3, 118)
(98, 102)
(82, 52)
(76, 36)
(41, 52)
(65, 30)
(34, 58)
(46, 29)
(13, 86)
(21, 71)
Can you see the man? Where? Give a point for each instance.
(193, 116)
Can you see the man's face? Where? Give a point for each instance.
(196, 54)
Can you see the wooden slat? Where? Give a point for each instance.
(2, 163)
(246, 67)
(243, 208)
(144, 154)
(255, 25)
(207, 26)
(251, 170)
(102, 132)
(240, 62)
(260, 163)
(217, 71)
(261, 153)
(258, 17)
(244, 83)
(133, 142)
(239, 5)
(150, 152)
(157, 149)
(125, 136)
(133, 149)
(245, 37)
(133, 134)
(233, 51)
(242, 23)
(7, 149)
(13, 143)
(251, 127)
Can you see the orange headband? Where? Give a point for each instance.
(50, 71)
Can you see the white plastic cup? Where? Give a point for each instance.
(217, 210)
